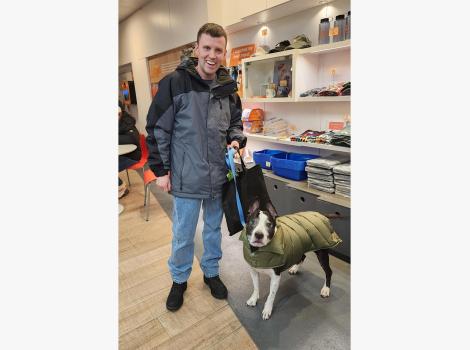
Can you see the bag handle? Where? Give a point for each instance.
(231, 165)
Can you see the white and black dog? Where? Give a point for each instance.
(261, 227)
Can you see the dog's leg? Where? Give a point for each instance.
(255, 296)
(324, 259)
(273, 287)
(294, 268)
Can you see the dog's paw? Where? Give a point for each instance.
(252, 301)
(268, 309)
(325, 292)
(293, 270)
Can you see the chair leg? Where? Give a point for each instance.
(128, 180)
(147, 196)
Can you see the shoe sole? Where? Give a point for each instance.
(216, 296)
(174, 308)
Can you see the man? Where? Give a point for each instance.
(195, 114)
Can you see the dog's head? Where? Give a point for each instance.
(261, 224)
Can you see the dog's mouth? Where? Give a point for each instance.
(256, 243)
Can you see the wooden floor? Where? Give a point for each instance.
(203, 322)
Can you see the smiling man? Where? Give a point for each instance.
(195, 114)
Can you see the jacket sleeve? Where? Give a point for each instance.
(160, 121)
(235, 130)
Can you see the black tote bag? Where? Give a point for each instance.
(251, 186)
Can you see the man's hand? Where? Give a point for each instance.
(163, 182)
(234, 144)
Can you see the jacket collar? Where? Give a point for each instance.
(275, 246)
(224, 85)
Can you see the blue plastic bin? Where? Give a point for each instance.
(291, 165)
(263, 158)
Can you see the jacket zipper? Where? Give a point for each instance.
(181, 175)
(208, 162)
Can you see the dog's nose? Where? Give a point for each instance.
(258, 235)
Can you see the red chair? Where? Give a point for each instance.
(143, 159)
(149, 177)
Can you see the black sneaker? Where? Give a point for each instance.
(175, 298)
(218, 289)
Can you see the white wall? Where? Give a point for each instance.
(159, 26)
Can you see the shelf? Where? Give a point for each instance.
(324, 99)
(325, 48)
(303, 186)
(275, 99)
(298, 99)
(270, 56)
(314, 50)
(299, 144)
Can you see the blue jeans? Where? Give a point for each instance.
(185, 218)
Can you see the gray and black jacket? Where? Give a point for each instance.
(189, 125)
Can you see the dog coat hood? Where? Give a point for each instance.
(295, 235)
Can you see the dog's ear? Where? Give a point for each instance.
(271, 209)
(254, 206)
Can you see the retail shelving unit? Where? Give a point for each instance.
(310, 68)
(300, 144)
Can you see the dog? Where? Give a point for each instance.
(267, 249)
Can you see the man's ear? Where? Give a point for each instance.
(254, 206)
(271, 210)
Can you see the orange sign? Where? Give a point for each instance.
(336, 125)
(241, 52)
(334, 31)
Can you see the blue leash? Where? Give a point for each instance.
(231, 165)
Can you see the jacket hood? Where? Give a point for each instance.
(222, 75)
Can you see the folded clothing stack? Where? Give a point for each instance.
(277, 127)
(320, 172)
(336, 89)
(307, 136)
(340, 140)
(321, 179)
(342, 179)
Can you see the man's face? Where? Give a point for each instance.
(211, 54)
